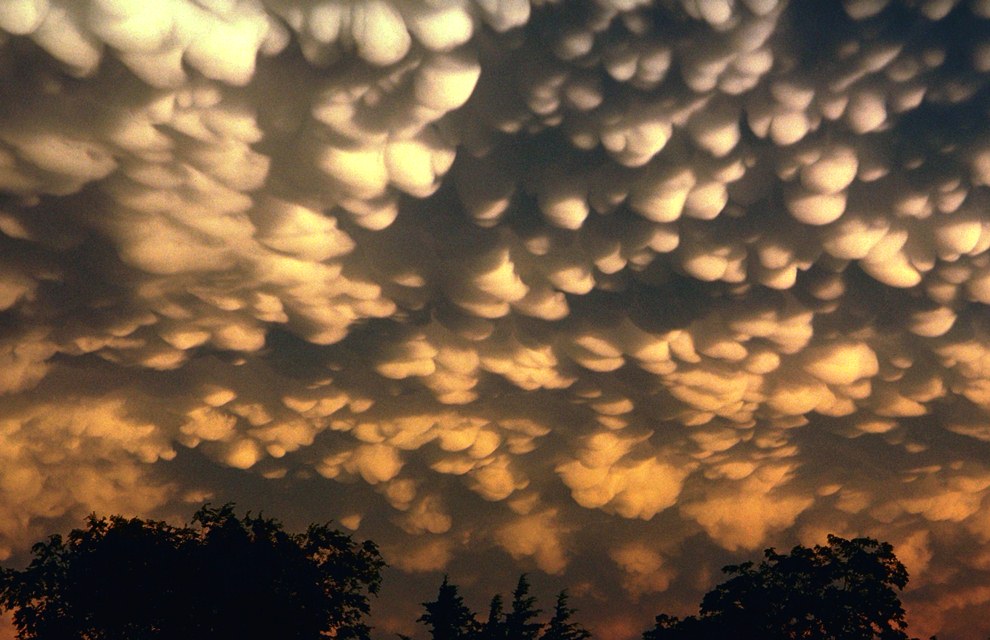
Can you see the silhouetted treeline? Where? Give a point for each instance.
(224, 577)
(845, 590)
(448, 618)
(227, 576)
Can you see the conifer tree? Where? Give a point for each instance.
(518, 622)
(494, 627)
(560, 627)
(447, 616)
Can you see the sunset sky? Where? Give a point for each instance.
(613, 292)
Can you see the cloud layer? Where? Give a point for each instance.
(613, 288)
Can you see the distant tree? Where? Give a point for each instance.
(665, 627)
(447, 616)
(673, 628)
(494, 627)
(846, 590)
(560, 626)
(518, 621)
(133, 579)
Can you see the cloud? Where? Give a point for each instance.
(603, 476)
(743, 514)
(643, 567)
(477, 277)
(538, 536)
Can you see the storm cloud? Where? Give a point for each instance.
(614, 290)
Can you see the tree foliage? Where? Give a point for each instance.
(845, 590)
(494, 627)
(133, 579)
(519, 623)
(447, 617)
(225, 576)
(560, 626)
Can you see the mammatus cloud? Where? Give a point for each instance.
(609, 289)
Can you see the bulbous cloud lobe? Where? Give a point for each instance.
(486, 275)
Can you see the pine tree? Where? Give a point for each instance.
(518, 623)
(560, 627)
(494, 627)
(447, 616)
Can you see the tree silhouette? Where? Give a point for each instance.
(447, 616)
(560, 627)
(133, 579)
(517, 622)
(494, 627)
(846, 590)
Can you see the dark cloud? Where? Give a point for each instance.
(610, 289)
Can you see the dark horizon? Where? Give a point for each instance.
(229, 573)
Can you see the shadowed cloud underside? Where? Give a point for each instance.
(610, 289)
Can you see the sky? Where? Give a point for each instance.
(612, 292)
